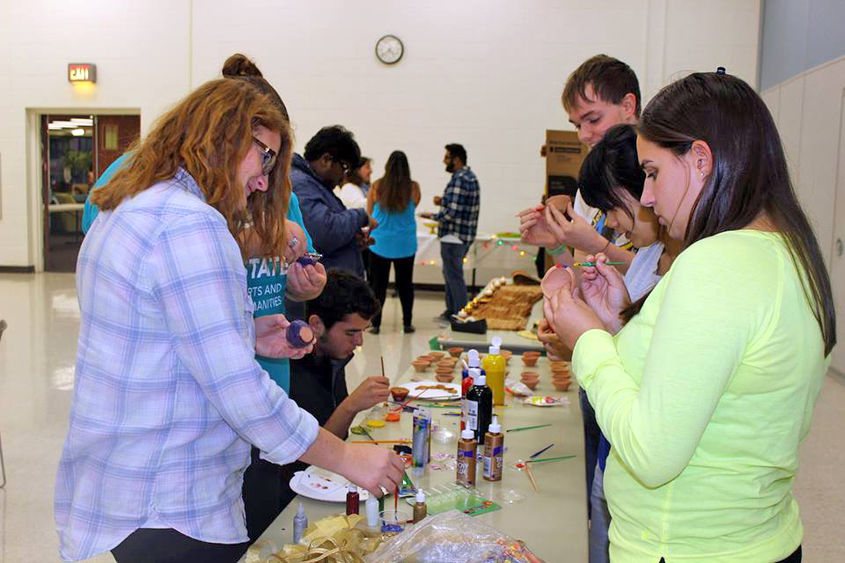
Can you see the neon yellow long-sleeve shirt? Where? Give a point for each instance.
(705, 397)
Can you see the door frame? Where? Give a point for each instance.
(35, 174)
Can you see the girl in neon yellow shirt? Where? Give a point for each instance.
(706, 394)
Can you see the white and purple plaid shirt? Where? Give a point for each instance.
(168, 395)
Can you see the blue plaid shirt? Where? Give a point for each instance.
(459, 207)
(168, 395)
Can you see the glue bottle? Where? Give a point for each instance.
(494, 366)
(300, 522)
(372, 509)
(420, 509)
(494, 445)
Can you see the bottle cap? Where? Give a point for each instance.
(480, 380)
(494, 427)
(475, 372)
(352, 488)
(495, 345)
(300, 512)
(420, 496)
(467, 434)
(472, 359)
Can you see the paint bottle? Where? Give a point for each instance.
(479, 405)
(494, 366)
(352, 500)
(420, 509)
(372, 510)
(420, 439)
(467, 447)
(300, 522)
(494, 445)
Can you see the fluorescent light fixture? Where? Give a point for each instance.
(77, 132)
(82, 121)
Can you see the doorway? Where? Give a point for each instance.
(75, 150)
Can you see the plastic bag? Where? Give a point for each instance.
(452, 537)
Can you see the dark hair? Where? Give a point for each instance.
(749, 174)
(336, 141)
(394, 188)
(354, 176)
(457, 150)
(612, 165)
(610, 78)
(239, 67)
(344, 294)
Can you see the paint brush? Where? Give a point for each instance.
(545, 459)
(531, 478)
(591, 264)
(535, 454)
(521, 428)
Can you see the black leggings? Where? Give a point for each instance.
(794, 558)
(380, 274)
(154, 545)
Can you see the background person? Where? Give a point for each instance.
(708, 391)
(335, 230)
(392, 202)
(457, 225)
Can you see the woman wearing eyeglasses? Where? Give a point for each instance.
(168, 396)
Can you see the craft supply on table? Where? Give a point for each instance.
(531, 477)
(321, 484)
(299, 334)
(538, 452)
(479, 406)
(532, 427)
(300, 522)
(432, 391)
(467, 446)
(420, 438)
(539, 401)
(445, 497)
(494, 369)
(592, 264)
(420, 508)
(371, 508)
(494, 445)
(546, 459)
(352, 499)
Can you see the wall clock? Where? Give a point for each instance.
(389, 49)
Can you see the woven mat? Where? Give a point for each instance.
(509, 307)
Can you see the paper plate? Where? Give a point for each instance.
(451, 391)
(320, 484)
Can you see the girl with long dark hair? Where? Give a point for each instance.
(706, 394)
(392, 201)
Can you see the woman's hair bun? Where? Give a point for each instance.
(240, 65)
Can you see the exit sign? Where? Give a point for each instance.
(81, 72)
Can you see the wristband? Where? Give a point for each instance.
(558, 250)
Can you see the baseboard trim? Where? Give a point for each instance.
(17, 269)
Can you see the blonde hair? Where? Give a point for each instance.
(208, 134)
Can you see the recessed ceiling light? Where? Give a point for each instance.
(77, 132)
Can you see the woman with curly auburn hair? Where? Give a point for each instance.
(168, 395)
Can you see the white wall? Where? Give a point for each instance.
(487, 74)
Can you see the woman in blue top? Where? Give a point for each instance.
(392, 201)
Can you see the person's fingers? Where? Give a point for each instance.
(573, 283)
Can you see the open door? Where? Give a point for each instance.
(837, 257)
(75, 151)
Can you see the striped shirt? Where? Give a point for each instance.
(168, 395)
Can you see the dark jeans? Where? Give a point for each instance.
(154, 545)
(592, 435)
(452, 255)
(379, 276)
(266, 493)
(794, 558)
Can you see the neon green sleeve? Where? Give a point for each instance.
(706, 311)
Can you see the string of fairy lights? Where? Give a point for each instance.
(498, 241)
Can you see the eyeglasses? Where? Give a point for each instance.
(268, 157)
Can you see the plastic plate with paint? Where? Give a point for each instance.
(320, 484)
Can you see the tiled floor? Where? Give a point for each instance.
(37, 355)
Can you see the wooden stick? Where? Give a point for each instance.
(382, 366)
(402, 441)
(531, 478)
(402, 406)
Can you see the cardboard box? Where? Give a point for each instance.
(564, 155)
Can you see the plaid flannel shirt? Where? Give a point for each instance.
(458, 213)
(168, 395)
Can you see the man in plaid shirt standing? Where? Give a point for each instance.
(458, 220)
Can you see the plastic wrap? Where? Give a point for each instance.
(452, 537)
